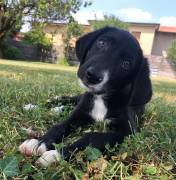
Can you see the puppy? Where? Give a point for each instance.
(115, 75)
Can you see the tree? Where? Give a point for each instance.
(14, 12)
(73, 31)
(109, 20)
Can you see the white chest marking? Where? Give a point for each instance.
(99, 109)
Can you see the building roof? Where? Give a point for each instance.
(155, 25)
(159, 28)
(145, 24)
(167, 29)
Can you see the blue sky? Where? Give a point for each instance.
(159, 11)
(157, 7)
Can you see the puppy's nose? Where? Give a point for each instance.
(93, 77)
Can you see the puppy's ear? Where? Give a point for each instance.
(84, 43)
(142, 88)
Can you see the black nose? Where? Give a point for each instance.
(92, 76)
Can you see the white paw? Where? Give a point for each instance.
(31, 146)
(58, 109)
(29, 107)
(48, 157)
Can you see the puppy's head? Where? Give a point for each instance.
(110, 59)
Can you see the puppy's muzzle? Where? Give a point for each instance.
(93, 77)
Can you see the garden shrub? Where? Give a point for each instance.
(73, 31)
(44, 44)
(12, 52)
(37, 37)
(171, 52)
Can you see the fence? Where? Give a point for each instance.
(34, 53)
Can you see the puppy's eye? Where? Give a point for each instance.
(125, 65)
(102, 44)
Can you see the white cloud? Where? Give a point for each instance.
(168, 21)
(134, 14)
(83, 16)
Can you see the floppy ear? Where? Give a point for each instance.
(84, 43)
(142, 88)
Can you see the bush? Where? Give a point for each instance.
(37, 37)
(12, 52)
(172, 52)
(44, 44)
(109, 20)
(73, 30)
(63, 61)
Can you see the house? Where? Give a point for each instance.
(163, 39)
(144, 33)
(153, 38)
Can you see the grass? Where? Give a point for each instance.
(150, 154)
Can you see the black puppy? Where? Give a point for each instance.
(115, 75)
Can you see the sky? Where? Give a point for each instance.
(155, 11)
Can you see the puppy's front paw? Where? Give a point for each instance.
(32, 146)
(48, 157)
(58, 109)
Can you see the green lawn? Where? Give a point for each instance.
(150, 154)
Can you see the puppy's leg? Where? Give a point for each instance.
(97, 140)
(55, 134)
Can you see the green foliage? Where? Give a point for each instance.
(13, 13)
(27, 168)
(12, 52)
(73, 30)
(150, 170)
(109, 20)
(92, 153)
(38, 38)
(172, 52)
(43, 44)
(9, 167)
(63, 61)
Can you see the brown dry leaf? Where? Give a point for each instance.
(167, 166)
(124, 155)
(85, 177)
(120, 157)
(115, 158)
(135, 177)
(96, 168)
